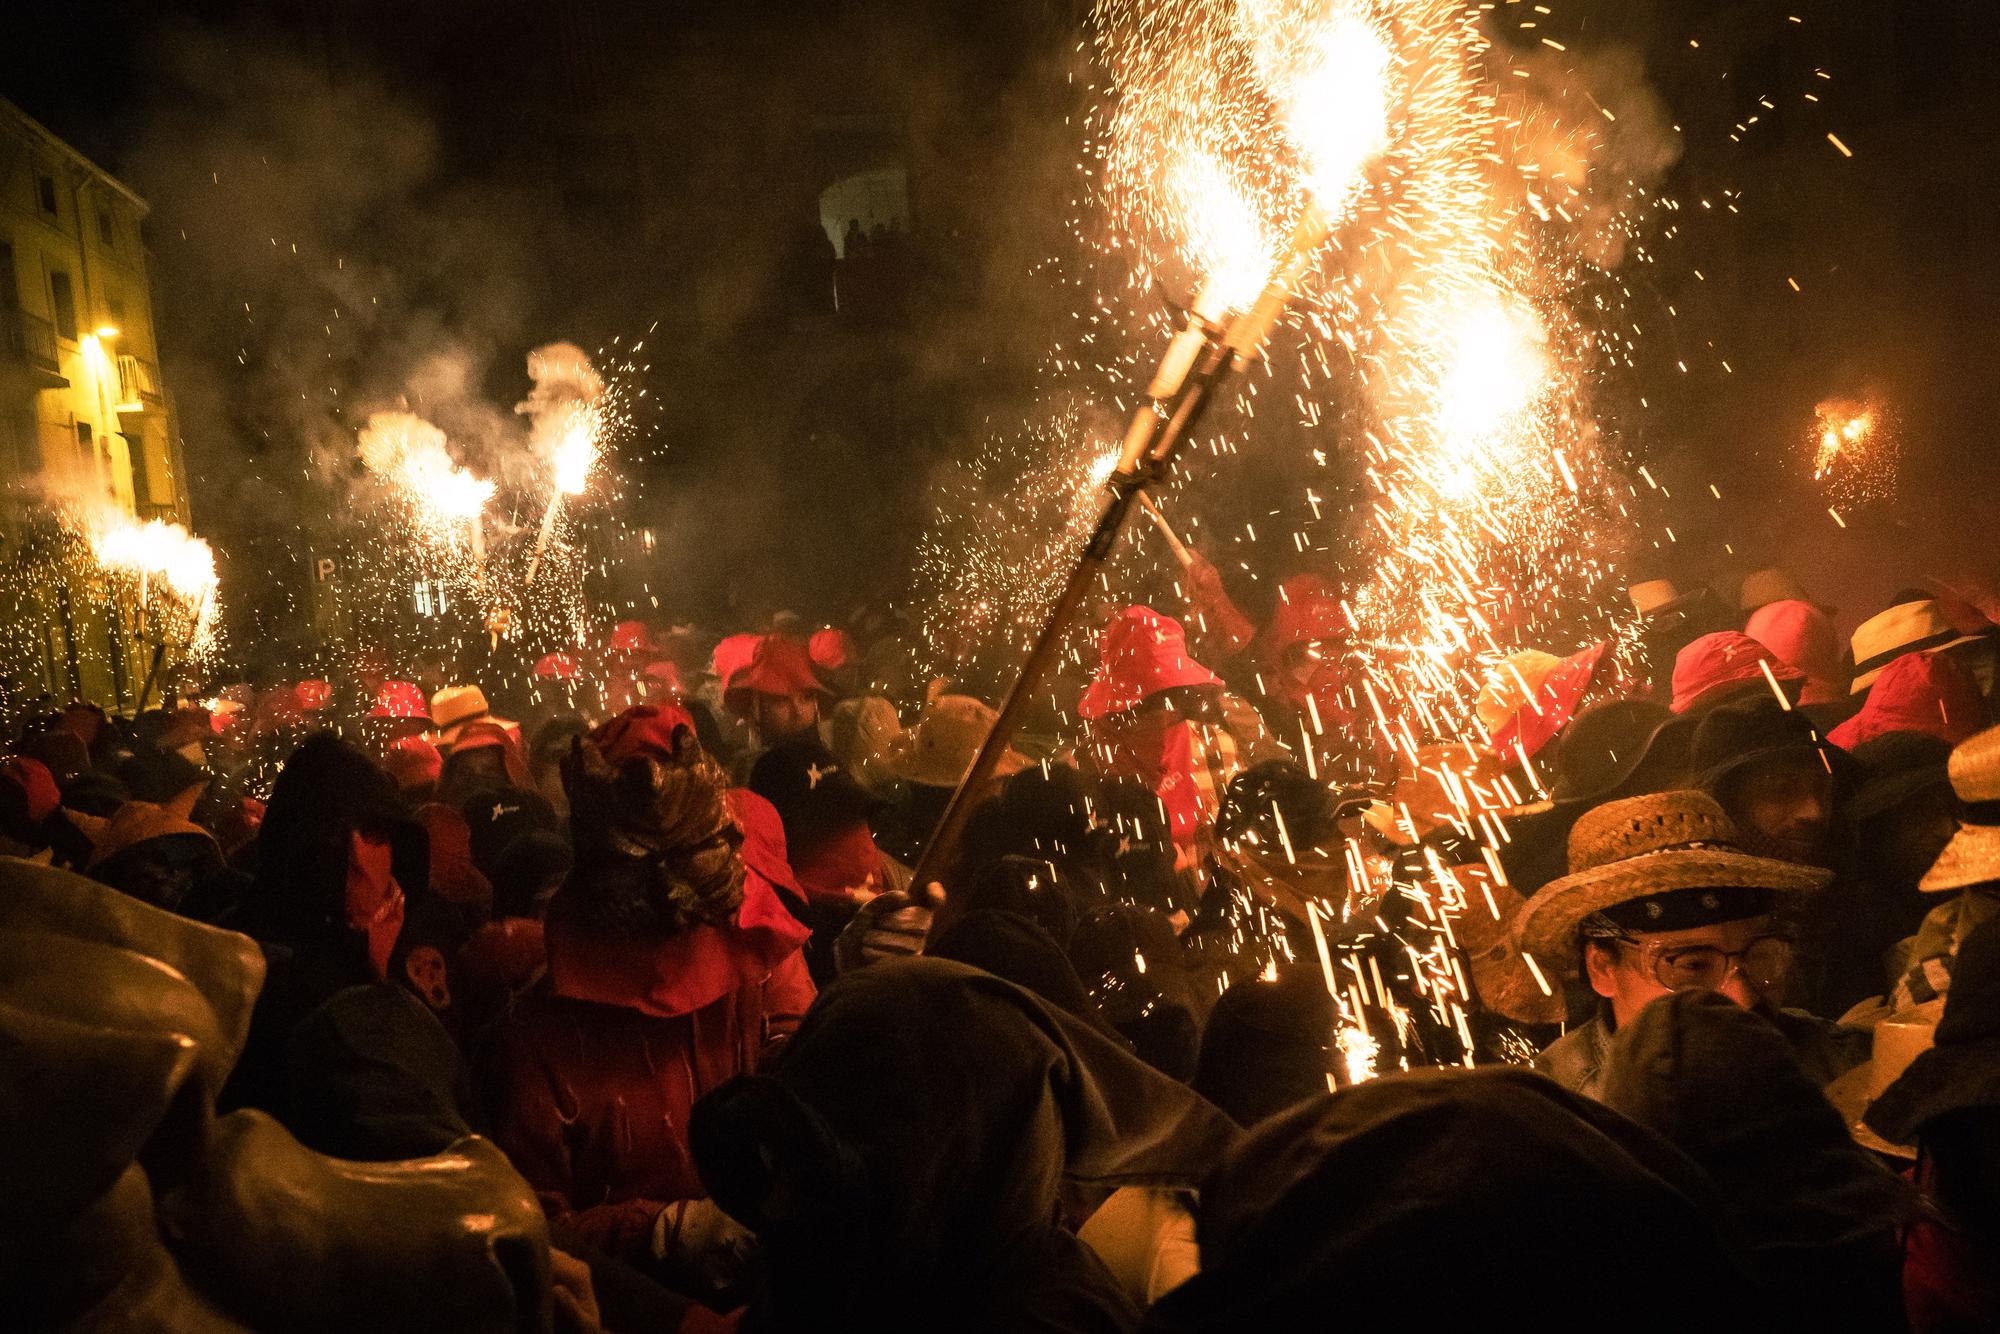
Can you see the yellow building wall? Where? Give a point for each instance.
(104, 438)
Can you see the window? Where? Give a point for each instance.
(10, 295)
(62, 304)
(45, 192)
(116, 305)
(106, 233)
(142, 484)
(86, 437)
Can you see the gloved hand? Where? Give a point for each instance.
(888, 926)
(703, 1252)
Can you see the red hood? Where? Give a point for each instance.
(1918, 692)
(1717, 663)
(1140, 654)
(685, 973)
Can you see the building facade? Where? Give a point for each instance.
(85, 420)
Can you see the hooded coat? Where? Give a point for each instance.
(1457, 1199)
(665, 979)
(904, 1163)
(1821, 1216)
(327, 793)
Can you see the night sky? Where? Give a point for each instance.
(495, 175)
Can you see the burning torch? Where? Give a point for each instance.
(1213, 344)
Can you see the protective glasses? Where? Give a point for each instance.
(1765, 963)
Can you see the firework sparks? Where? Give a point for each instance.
(169, 573)
(1447, 290)
(410, 454)
(1855, 450)
(567, 408)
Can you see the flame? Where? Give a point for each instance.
(1224, 235)
(1329, 74)
(1842, 430)
(165, 551)
(409, 453)
(575, 451)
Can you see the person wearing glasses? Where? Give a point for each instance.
(1662, 898)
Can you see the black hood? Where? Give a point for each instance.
(909, 1149)
(1456, 1199)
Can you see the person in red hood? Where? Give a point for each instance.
(673, 966)
(1157, 715)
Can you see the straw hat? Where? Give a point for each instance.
(1961, 1068)
(940, 749)
(1973, 855)
(455, 707)
(1898, 1040)
(1649, 595)
(1643, 846)
(1763, 587)
(1907, 627)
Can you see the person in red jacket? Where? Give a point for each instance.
(673, 966)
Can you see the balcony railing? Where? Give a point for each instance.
(138, 383)
(29, 340)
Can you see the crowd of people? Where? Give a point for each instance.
(1666, 977)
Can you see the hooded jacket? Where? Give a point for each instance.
(672, 967)
(1821, 1216)
(904, 1162)
(1457, 1199)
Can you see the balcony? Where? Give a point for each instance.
(29, 342)
(139, 385)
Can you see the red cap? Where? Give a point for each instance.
(560, 666)
(664, 675)
(401, 699)
(631, 637)
(830, 649)
(413, 762)
(733, 655)
(1308, 612)
(1918, 692)
(483, 734)
(1140, 654)
(649, 729)
(39, 793)
(1718, 664)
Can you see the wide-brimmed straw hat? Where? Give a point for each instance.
(1961, 1070)
(1907, 627)
(1649, 595)
(1643, 846)
(454, 708)
(1899, 1039)
(1973, 855)
(940, 749)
